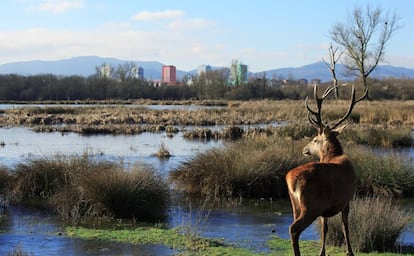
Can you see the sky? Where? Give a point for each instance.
(263, 34)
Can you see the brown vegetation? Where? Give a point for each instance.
(378, 123)
(79, 188)
(255, 168)
(378, 221)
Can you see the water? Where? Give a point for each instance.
(39, 233)
(152, 107)
(22, 143)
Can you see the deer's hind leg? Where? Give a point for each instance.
(345, 213)
(299, 224)
(295, 206)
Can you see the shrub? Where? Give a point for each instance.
(5, 182)
(39, 178)
(375, 224)
(5, 179)
(73, 202)
(379, 136)
(80, 188)
(252, 168)
(296, 131)
(139, 193)
(382, 174)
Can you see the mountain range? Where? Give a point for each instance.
(86, 66)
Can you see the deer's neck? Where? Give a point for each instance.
(332, 150)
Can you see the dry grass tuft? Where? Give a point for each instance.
(249, 168)
(375, 224)
(79, 188)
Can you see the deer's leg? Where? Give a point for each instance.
(298, 225)
(295, 206)
(345, 229)
(324, 222)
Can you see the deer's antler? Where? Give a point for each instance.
(315, 116)
(351, 106)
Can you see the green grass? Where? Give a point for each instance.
(175, 240)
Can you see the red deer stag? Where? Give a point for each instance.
(322, 188)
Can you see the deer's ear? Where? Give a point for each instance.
(339, 129)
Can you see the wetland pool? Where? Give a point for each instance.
(39, 233)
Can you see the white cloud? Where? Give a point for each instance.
(190, 24)
(56, 6)
(151, 16)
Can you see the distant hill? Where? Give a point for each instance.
(320, 71)
(85, 66)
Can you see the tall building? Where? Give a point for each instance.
(203, 69)
(238, 73)
(106, 71)
(137, 72)
(169, 75)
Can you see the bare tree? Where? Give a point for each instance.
(364, 38)
(124, 71)
(333, 59)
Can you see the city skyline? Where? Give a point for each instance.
(265, 35)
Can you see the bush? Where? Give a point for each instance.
(375, 224)
(379, 136)
(5, 182)
(5, 179)
(382, 174)
(251, 168)
(39, 178)
(77, 187)
(139, 193)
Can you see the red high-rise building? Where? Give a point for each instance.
(169, 75)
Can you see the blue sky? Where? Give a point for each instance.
(263, 34)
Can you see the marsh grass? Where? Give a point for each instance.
(39, 178)
(18, 251)
(79, 188)
(375, 224)
(5, 184)
(375, 135)
(138, 193)
(395, 116)
(382, 174)
(162, 152)
(194, 223)
(5, 178)
(255, 168)
(249, 168)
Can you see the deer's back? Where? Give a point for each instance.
(331, 184)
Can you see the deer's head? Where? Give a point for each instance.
(326, 144)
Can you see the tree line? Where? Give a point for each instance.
(47, 87)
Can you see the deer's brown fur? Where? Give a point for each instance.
(325, 188)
